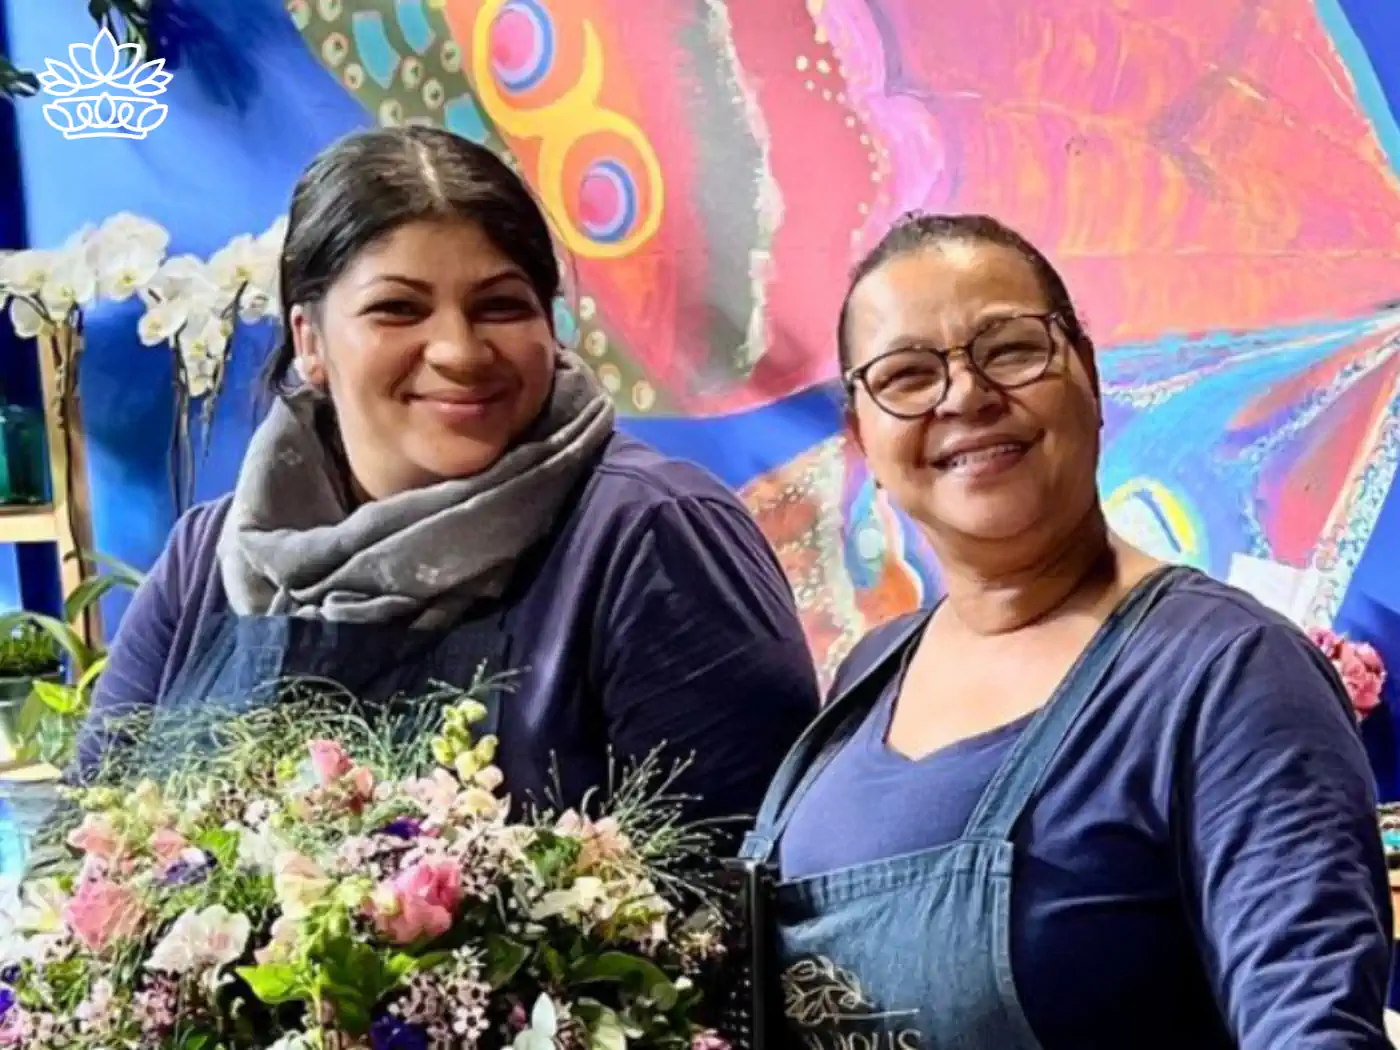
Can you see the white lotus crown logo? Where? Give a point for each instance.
(105, 91)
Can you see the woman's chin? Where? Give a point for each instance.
(459, 458)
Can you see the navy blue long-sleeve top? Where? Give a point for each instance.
(656, 619)
(1201, 866)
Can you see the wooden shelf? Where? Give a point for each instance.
(28, 525)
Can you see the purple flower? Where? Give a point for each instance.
(7, 1002)
(394, 1033)
(403, 828)
(9, 975)
(185, 872)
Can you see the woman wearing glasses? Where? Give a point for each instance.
(1088, 800)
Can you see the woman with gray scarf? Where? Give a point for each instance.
(439, 487)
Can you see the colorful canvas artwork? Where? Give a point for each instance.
(1217, 179)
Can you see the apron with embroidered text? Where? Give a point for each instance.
(914, 952)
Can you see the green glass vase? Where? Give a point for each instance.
(24, 475)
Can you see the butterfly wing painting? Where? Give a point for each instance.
(1205, 172)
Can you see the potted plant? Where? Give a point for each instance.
(47, 712)
(28, 654)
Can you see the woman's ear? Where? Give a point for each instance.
(308, 347)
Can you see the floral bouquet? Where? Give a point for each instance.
(1361, 668)
(315, 882)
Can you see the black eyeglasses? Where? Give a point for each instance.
(910, 382)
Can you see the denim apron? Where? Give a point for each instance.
(243, 662)
(913, 952)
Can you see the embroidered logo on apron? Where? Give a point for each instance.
(830, 1011)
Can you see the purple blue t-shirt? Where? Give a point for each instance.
(1201, 866)
(656, 616)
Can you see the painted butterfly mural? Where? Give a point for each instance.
(1217, 179)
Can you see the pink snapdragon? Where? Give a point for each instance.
(329, 760)
(97, 837)
(419, 902)
(337, 775)
(101, 912)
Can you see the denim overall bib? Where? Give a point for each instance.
(913, 952)
(243, 661)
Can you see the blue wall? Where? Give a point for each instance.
(249, 107)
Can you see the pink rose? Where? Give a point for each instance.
(102, 912)
(329, 760)
(96, 837)
(167, 844)
(419, 902)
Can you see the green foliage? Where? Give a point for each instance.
(49, 721)
(27, 650)
(128, 20)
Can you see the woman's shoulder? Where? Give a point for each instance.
(637, 489)
(636, 477)
(194, 540)
(1204, 615)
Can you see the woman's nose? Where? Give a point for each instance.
(453, 343)
(968, 392)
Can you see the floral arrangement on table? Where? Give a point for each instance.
(192, 306)
(314, 884)
(1361, 667)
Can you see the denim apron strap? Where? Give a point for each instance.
(813, 749)
(1020, 774)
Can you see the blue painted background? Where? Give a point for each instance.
(249, 106)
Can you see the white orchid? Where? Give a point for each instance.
(180, 295)
(543, 1029)
(199, 941)
(27, 319)
(129, 254)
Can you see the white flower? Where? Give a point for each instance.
(125, 230)
(41, 910)
(200, 940)
(235, 264)
(543, 1029)
(125, 270)
(180, 294)
(259, 849)
(578, 900)
(26, 320)
(72, 284)
(127, 253)
(299, 883)
(26, 273)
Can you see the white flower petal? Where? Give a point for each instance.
(27, 321)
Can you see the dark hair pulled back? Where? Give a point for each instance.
(917, 231)
(368, 184)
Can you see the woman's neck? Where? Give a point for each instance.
(1005, 598)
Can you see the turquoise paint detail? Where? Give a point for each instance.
(377, 55)
(1369, 92)
(413, 23)
(464, 118)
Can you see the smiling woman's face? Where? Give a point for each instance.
(437, 354)
(986, 464)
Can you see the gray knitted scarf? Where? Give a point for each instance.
(291, 546)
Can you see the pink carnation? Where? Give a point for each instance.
(102, 912)
(1359, 665)
(329, 760)
(419, 902)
